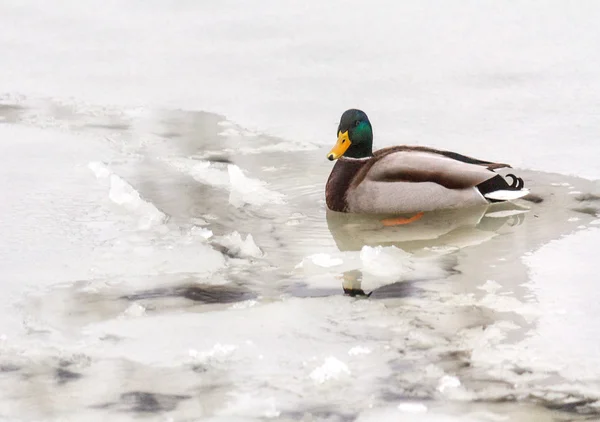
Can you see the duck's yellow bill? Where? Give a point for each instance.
(340, 147)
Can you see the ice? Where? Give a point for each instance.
(217, 353)
(109, 212)
(203, 171)
(324, 260)
(409, 407)
(359, 350)
(245, 190)
(490, 286)
(251, 405)
(243, 248)
(124, 195)
(235, 59)
(134, 310)
(448, 382)
(331, 369)
(384, 261)
(553, 284)
(245, 304)
(201, 232)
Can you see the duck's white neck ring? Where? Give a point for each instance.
(355, 159)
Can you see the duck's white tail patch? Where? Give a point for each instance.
(506, 195)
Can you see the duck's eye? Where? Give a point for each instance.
(356, 123)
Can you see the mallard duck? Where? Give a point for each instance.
(407, 179)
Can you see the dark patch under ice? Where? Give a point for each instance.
(197, 293)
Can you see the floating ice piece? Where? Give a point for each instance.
(359, 350)
(244, 304)
(384, 261)
(134, 310)
(243, 248)
(218, 352)
(507, 195)
(99, 169)
(124, 195)
(325, 260)
(332, 368)
(251, 405)
(201, 232)
(448, 381)
(412, 407)
(202, 171)
(245, 190)
(490, 286)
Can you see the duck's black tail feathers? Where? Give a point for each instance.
(497, 189)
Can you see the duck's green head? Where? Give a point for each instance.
(355, 136)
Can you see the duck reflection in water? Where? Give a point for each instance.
(434, 238)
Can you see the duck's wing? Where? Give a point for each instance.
(450, 154)
(450, 170)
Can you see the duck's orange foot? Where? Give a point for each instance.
(398, 221)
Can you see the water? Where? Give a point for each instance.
(160, 262)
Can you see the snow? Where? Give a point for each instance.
(491, 80)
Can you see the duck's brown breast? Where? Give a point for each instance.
(343, 173)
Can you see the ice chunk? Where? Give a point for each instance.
(448, 381)
(245, 190)
(359, 350)
(242, 248)
(250, 405)
(332, 368)
(123, 194)
(134, 310)
(201, 232)
(411, 407)
(99, 169)
(324, 260)
(384, 261)
(490, 286)
(202, 171)
(218, 352)
(244, 304)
